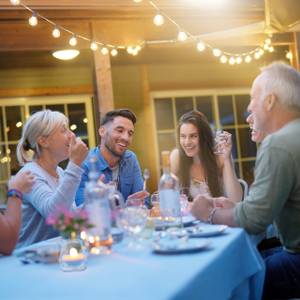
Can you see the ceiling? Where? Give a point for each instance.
(123, 22)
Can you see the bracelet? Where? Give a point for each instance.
(211, 215)
(15, 193)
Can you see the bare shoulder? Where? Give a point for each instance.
(174, 161)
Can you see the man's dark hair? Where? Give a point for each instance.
(111, 115)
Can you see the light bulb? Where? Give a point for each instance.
(217, 52)
(238, 60)
(289, 55)
(158, 20)
(261, 52)
(135, 52)
(182, 36)
(56, 33)
(223, 59)
(73, 41)
(266, 46)
(129, 50)
(200, 46)
(231, 60)
(268, 41)
(94, 46)
(33, 20)
(138, 48)
(114, 52)
(271, 49)
(248, 59)
(137, 1)
(104, 51)
(257, 55)
(15, 2)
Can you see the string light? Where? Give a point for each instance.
(289, 55)
(33, 20)
(104, 51)
(182, 36)
(56, 32)
(94, 46)
(15, 2)
(73, 41)
(114, 52)
(158, 20)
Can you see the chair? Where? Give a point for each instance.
(245, 187)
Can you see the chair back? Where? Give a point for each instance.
(245, 187)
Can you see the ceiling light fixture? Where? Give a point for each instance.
(66, 54)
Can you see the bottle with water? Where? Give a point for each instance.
(168, 189)
(97, 205)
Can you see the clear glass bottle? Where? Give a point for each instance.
(169, 195)
(98, 208)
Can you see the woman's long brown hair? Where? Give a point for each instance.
(206, 154)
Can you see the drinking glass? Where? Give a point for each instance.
(184, 200)
(133, 219)
(220, 138)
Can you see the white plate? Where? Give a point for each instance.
(160, 224)
(206, 230)
(192, 245)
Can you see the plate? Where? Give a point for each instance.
(160, 224)
(190, 246)
(206, 230)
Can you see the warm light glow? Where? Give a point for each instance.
(158, 20)
(15, 2)
(261, 52)
(200, 46)
(8, 151)
(289, 55)
(238, 60)
(114, 52)
(231, 60)
(248, 59)
(66, 54)
(138, 48)
(33, 21)
(73, 41)
(94, 46)
(268, 41)
(19, 124)
(104, 51)
(223, 59)
(257, 55)
(137, 1)
(85, 120)
(217, 52)
(271, 49)
(73, 127)
(56, 33)
(83, 235)
(73, 252)
(182, 36)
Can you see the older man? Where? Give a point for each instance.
(115, 162)
(275, 193)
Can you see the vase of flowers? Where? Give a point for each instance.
(70, 225)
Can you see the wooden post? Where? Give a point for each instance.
(103, 81)
(294, 48)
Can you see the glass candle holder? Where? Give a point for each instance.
(72, 256)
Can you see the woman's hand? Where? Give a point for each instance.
(78, 150)
(23, 181)
(224, 145)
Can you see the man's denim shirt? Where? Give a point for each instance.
(130, 176)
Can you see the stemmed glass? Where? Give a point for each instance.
(146, 175)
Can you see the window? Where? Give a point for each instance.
(13, 114)
(225, 109)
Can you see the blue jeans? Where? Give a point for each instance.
(282, 279)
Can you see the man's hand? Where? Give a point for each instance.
(202, 206)
(223, 202)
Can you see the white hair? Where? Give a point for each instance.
(41, 123)
(283, 81)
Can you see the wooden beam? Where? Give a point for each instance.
(28, 92)
(103, 80)
(294, 48)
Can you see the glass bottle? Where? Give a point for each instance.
(168, 189)
(97, 205)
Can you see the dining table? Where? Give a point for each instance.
(228, 267)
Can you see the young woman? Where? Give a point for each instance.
(196, 163)
(46, 141)
(10, 221)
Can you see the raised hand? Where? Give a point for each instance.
(23, 181)
(224, 145)
(78, 150)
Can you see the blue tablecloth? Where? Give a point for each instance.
(230, 269)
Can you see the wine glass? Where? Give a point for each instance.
(220, 138)
(133, 219)
(146, 175)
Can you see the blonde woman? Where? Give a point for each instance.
(46, 141)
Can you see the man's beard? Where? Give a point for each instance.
(113, 152)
